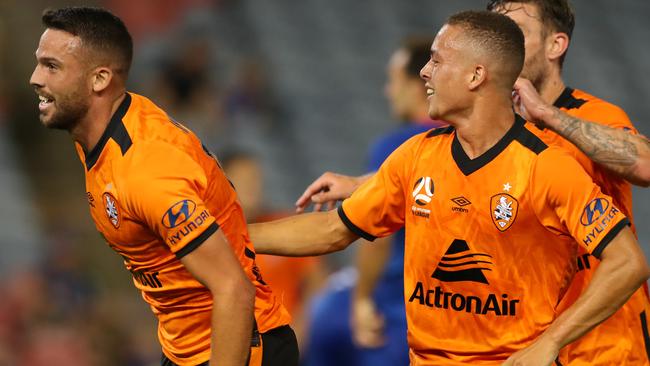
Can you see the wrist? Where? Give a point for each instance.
(550, 116)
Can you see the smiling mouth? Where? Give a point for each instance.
(430, 92)
(44, 102)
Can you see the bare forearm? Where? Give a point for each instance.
(623, 153)
(371, 262)
(612, 284)
(232, 327)
(309, 234)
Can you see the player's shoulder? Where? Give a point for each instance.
(555, 161)
(147, 122)
(580, 103)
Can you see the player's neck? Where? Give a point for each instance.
(91, 128)
(484, 127)
(552, 87)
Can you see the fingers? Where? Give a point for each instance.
(303, 201)
(369, 332)
(321, 184)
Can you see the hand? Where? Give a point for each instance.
(529, 104)
(367, 324)
(326, 190)
(541, 353)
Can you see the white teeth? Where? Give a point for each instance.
(430, 92)
(43, 99)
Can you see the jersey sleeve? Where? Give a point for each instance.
(165, 193)
(376, 209)
(568, 202)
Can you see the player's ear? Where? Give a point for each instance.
(556, 45)
(101, 78)
(478, 77)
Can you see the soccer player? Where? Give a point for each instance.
(493, 217)
(374, 298)
(609, 149)
(548, 27)
(160, 200)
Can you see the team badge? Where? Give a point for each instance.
(112, 210)
(503, 209)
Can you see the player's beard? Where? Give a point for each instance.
(535, 71)
(70, 109)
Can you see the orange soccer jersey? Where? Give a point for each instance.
(156, 194)
(620, 340)
(491, 242)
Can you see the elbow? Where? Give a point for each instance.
(240, 291)
(641, 175)
(640, 272)
(339, 245)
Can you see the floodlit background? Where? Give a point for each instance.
(299, 83)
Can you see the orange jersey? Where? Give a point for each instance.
(491, 242)
(156, 194)
(620, 340)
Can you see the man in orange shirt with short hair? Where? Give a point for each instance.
(492, 228)
(160, 200)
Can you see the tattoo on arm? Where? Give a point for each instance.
(614, 148)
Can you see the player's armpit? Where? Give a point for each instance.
(309, 234)
(214, 264)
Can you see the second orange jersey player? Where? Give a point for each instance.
(493, 227)
(624, 335)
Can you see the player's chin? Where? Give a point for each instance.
(433, 112)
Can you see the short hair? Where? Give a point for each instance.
(555, 14)
(498, 35)
(97, 28)
(418, 50)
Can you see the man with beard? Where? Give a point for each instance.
(482, 284)
(160, 200)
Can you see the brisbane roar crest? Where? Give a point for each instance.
(503, 210)
(112, 209)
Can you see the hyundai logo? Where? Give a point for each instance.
(179, 213)
(593, 211)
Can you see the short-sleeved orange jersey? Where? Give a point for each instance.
(156, 194)
(491, 242)
(621, 339)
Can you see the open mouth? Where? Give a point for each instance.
(430, 92)
(44, 102)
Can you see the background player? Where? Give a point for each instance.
(475, 60)
(374, 297)
(159, 199)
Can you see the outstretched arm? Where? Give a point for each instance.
(329, 188)
(622, 270)
(623, 153)
(314, 233)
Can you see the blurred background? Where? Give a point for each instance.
(298, 84)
